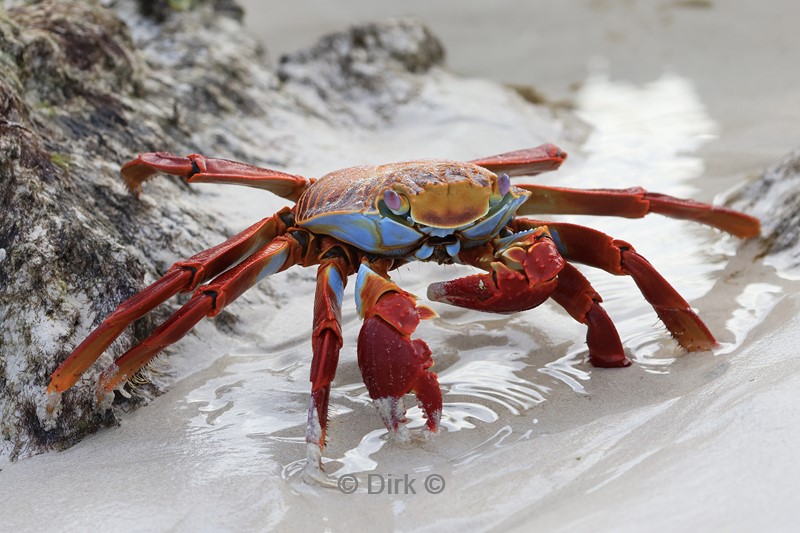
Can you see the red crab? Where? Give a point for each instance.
(368, 220)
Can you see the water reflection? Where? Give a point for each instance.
(755, 301)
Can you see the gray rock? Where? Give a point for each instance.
(775, 199)
(360, 76)
(83, 88)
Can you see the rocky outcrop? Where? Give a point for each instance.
(360, 77)
(775, 199)
(83, 88)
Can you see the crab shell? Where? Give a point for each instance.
(433, 204)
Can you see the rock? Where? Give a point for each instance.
(85, 87)
(775, 199)
(77, 98)
(360, 76)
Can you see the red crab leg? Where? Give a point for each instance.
(183, 276)
(391, 363)
(635, 203)
(594, 248)
(200, 169)
(522, 272)
(527, 162)
(208, 300)
(326, 341)
(578, 297)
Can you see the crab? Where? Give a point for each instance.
(368, 220)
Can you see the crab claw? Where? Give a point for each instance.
(523, 270)
(391, 363)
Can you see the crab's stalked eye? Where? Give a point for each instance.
(396, 203)
(392, 200)
(504, 184)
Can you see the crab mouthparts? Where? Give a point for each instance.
(442, 249)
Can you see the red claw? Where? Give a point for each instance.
(521, 278)
(391, 363)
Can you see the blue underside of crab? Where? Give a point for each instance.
(385, 233)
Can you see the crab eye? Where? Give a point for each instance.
(504, 184)
(395, 203)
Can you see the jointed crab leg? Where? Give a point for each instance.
(527, 162)
(200, 169)
(634, 203)
(326, 342)
(183, 276)
(581, 301)
(208, 300)
(594, 248)
(392, 364)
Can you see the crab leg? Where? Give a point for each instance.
(208, 300)
(521, 274)
(326, 342)
(200, 169)
(183, 276)
(635, 203)
(581, 301)
(594, 248)
(391, 363)
(527, 162)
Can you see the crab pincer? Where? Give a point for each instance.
(522, 270)
(392, 364)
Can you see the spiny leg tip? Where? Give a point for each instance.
(313, 474)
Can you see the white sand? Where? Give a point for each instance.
(534, 436)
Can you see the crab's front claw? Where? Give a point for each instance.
(392, 364)
(522, 275)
